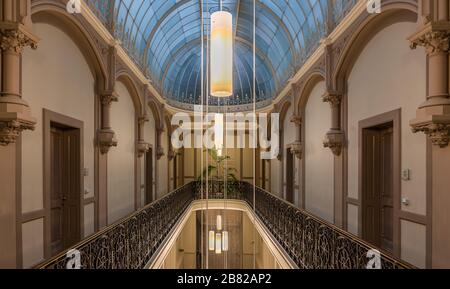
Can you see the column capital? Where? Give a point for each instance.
(108, 97)
(333, 98)
(434, 37)
(15, 37)
(297, 120)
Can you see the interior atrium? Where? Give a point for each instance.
(224, 134)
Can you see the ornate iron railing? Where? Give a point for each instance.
(131, 243)
(309, 241)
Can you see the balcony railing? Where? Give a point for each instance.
(130, 243)
(309, 241)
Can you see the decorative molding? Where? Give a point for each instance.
(106, 140)
(297, 149)
(11, 129)
(159, 152)
(335, 141)
(439, 133)
(142, 148)
(108, 98)
(297, 120)
(333, 98)
(15, 37)
(435, 37)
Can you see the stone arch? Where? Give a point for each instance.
(393, 12)
(131, 86)
(55, 13)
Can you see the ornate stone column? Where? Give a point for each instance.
(335, 138)
(106, 136)
(433, 119)
(159, 149)
(297, 146)
(15, 117)
(15, 114)
(142, 146)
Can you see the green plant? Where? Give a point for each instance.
(217, 170)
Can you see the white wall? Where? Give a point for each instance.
(121, 160)
(319, 177)
(66, 89)
(388, 75)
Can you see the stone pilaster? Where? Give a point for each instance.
(159, 149)
(15, 114)
(335, 138)
(297, 146)
(142, 146)
(433, 119)
(106, 136)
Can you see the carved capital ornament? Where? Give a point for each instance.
(15, 37)
(334, 99)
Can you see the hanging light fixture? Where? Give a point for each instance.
(218, 241)
(221, 54)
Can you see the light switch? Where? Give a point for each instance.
(406, 175)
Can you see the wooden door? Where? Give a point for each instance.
(65, 188)
(289, 176)
(149, 177)
(377, 195)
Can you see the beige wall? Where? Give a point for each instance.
(66, 89)
(121, 159)
(388, 76)
(319, 176)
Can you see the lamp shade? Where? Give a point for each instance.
(221, 54)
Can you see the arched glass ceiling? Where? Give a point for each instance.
(164, 36)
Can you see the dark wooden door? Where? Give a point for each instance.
(65, 188)
(289, 176)
(377, 195)
(149, 177)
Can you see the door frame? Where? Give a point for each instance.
(394, 117)
(49, 118)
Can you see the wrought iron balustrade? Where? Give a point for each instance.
(309, 241)
(130, 243)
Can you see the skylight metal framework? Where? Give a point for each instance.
(163, 37)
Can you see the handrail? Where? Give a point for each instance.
(311, 242)
(130, 242)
